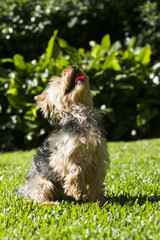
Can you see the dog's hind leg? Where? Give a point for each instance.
(40, 190)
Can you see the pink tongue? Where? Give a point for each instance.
(79, 78)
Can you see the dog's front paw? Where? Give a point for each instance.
(100, 199)
(77, 194)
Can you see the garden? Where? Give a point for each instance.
(117, 44)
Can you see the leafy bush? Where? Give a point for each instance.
(124, 86)
(148, 23)
(24, 23)
(126, 91)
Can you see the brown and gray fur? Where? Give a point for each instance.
(75, 154)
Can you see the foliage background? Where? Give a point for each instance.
(116, 42)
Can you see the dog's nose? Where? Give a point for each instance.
(74, 67)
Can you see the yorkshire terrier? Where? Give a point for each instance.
(72, 162)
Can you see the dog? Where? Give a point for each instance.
(72, 162)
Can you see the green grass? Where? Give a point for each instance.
(132, 187)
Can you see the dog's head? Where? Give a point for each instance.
(72, 88)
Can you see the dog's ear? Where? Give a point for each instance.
(41, 97)
(43, 103)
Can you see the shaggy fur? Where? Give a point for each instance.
(72, 162)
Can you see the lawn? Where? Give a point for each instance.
(132, 188)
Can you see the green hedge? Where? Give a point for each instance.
(26, 25)
(124, 85)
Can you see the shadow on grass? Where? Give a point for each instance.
(130, 200)
(123, 200)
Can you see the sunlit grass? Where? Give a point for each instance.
(132, 188)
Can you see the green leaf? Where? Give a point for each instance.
(115, 46)
(106, 42)
(14, 100)
(144, 56)
(95, 51)
(81, 52)
(111, 62)
(62, 43)
(128, 55)
(132, 43)
(13, 91)
(50, 47)
(6, 60)
(31, 114)
(62, 62)
(19, 62)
